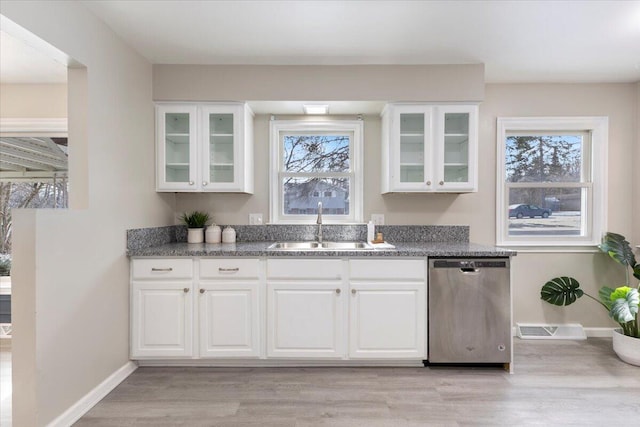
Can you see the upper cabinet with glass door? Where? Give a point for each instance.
(429, 148)
(219, 151)
(176, 147)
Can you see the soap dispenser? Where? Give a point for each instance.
(370, 231)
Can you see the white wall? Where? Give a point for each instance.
(71, 300)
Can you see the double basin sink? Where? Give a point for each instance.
(317, 246)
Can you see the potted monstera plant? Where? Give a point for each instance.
(621, 302)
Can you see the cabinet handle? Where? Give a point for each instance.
(204, 183)
(186, 290)
(161, 269)
(191, 183)
(228, 270)
(202, 291)
(441, 182)
(353, 291)
(338, 291)
(428, 182)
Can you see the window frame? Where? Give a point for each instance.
(594, 210)
(276, 197)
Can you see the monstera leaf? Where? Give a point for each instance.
(561, 291)
(625, 309)
(619, 249)
(605, 296)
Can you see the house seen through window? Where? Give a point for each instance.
(316, 162)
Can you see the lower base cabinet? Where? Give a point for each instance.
(305, 320)
(161, 319)
(229, 319)
(325, 309)
(387, 320)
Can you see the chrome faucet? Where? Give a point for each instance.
(319, 222)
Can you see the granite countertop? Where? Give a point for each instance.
(259, 249)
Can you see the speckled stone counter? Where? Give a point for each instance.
(253, 241)
(260, 249)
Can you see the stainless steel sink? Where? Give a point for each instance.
(326, 246)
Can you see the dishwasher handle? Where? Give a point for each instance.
(469, 265)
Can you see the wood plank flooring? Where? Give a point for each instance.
(563, 383)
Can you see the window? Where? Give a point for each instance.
(314, 162)
(551, 181)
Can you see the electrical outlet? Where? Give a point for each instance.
(377, 219)
(255, 219)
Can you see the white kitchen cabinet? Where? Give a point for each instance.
(229, 308)
(204, 147)
(429, 148)
(229, 319)
(387, 309)
(306, 308)
(161, 308)
(305, 320)
(161, 319)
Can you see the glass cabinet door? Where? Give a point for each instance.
(412, 141)
(456, 147)
(457, 141)
(221, 155)
(176, 147)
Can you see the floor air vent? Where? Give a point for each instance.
(569, 331)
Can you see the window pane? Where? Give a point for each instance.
(544, 158)
(301, 196)
(545, 211)
(316, 153)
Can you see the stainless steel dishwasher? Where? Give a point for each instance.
(469, 311)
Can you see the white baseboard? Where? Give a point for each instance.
(599, 332)
(591, 332)
(82, 406)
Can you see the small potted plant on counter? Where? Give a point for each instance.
(195, 221)
(621, 302)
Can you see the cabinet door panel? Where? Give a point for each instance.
(229, 320)
(176, 133)
(161, 319)
(305, 320)
(387, 320)
(456, 144)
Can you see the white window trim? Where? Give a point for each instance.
(599, 129)
(356, 161)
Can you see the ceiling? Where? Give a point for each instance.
(518, 41)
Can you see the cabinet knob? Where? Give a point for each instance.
(202, 291)
(204, 183)
(353, 291)
(338, 291)
(428, 182)
(186, 290)
(441, 183)
(191, 183)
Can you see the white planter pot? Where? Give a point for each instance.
(195, 235)
(627, 348)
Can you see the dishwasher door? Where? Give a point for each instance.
(469, 310)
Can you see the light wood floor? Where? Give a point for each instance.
(564, 383)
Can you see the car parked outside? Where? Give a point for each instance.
(532, 211)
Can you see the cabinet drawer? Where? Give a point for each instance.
(304, 269)
(387, 269)
(229, 268)
(160, 268)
